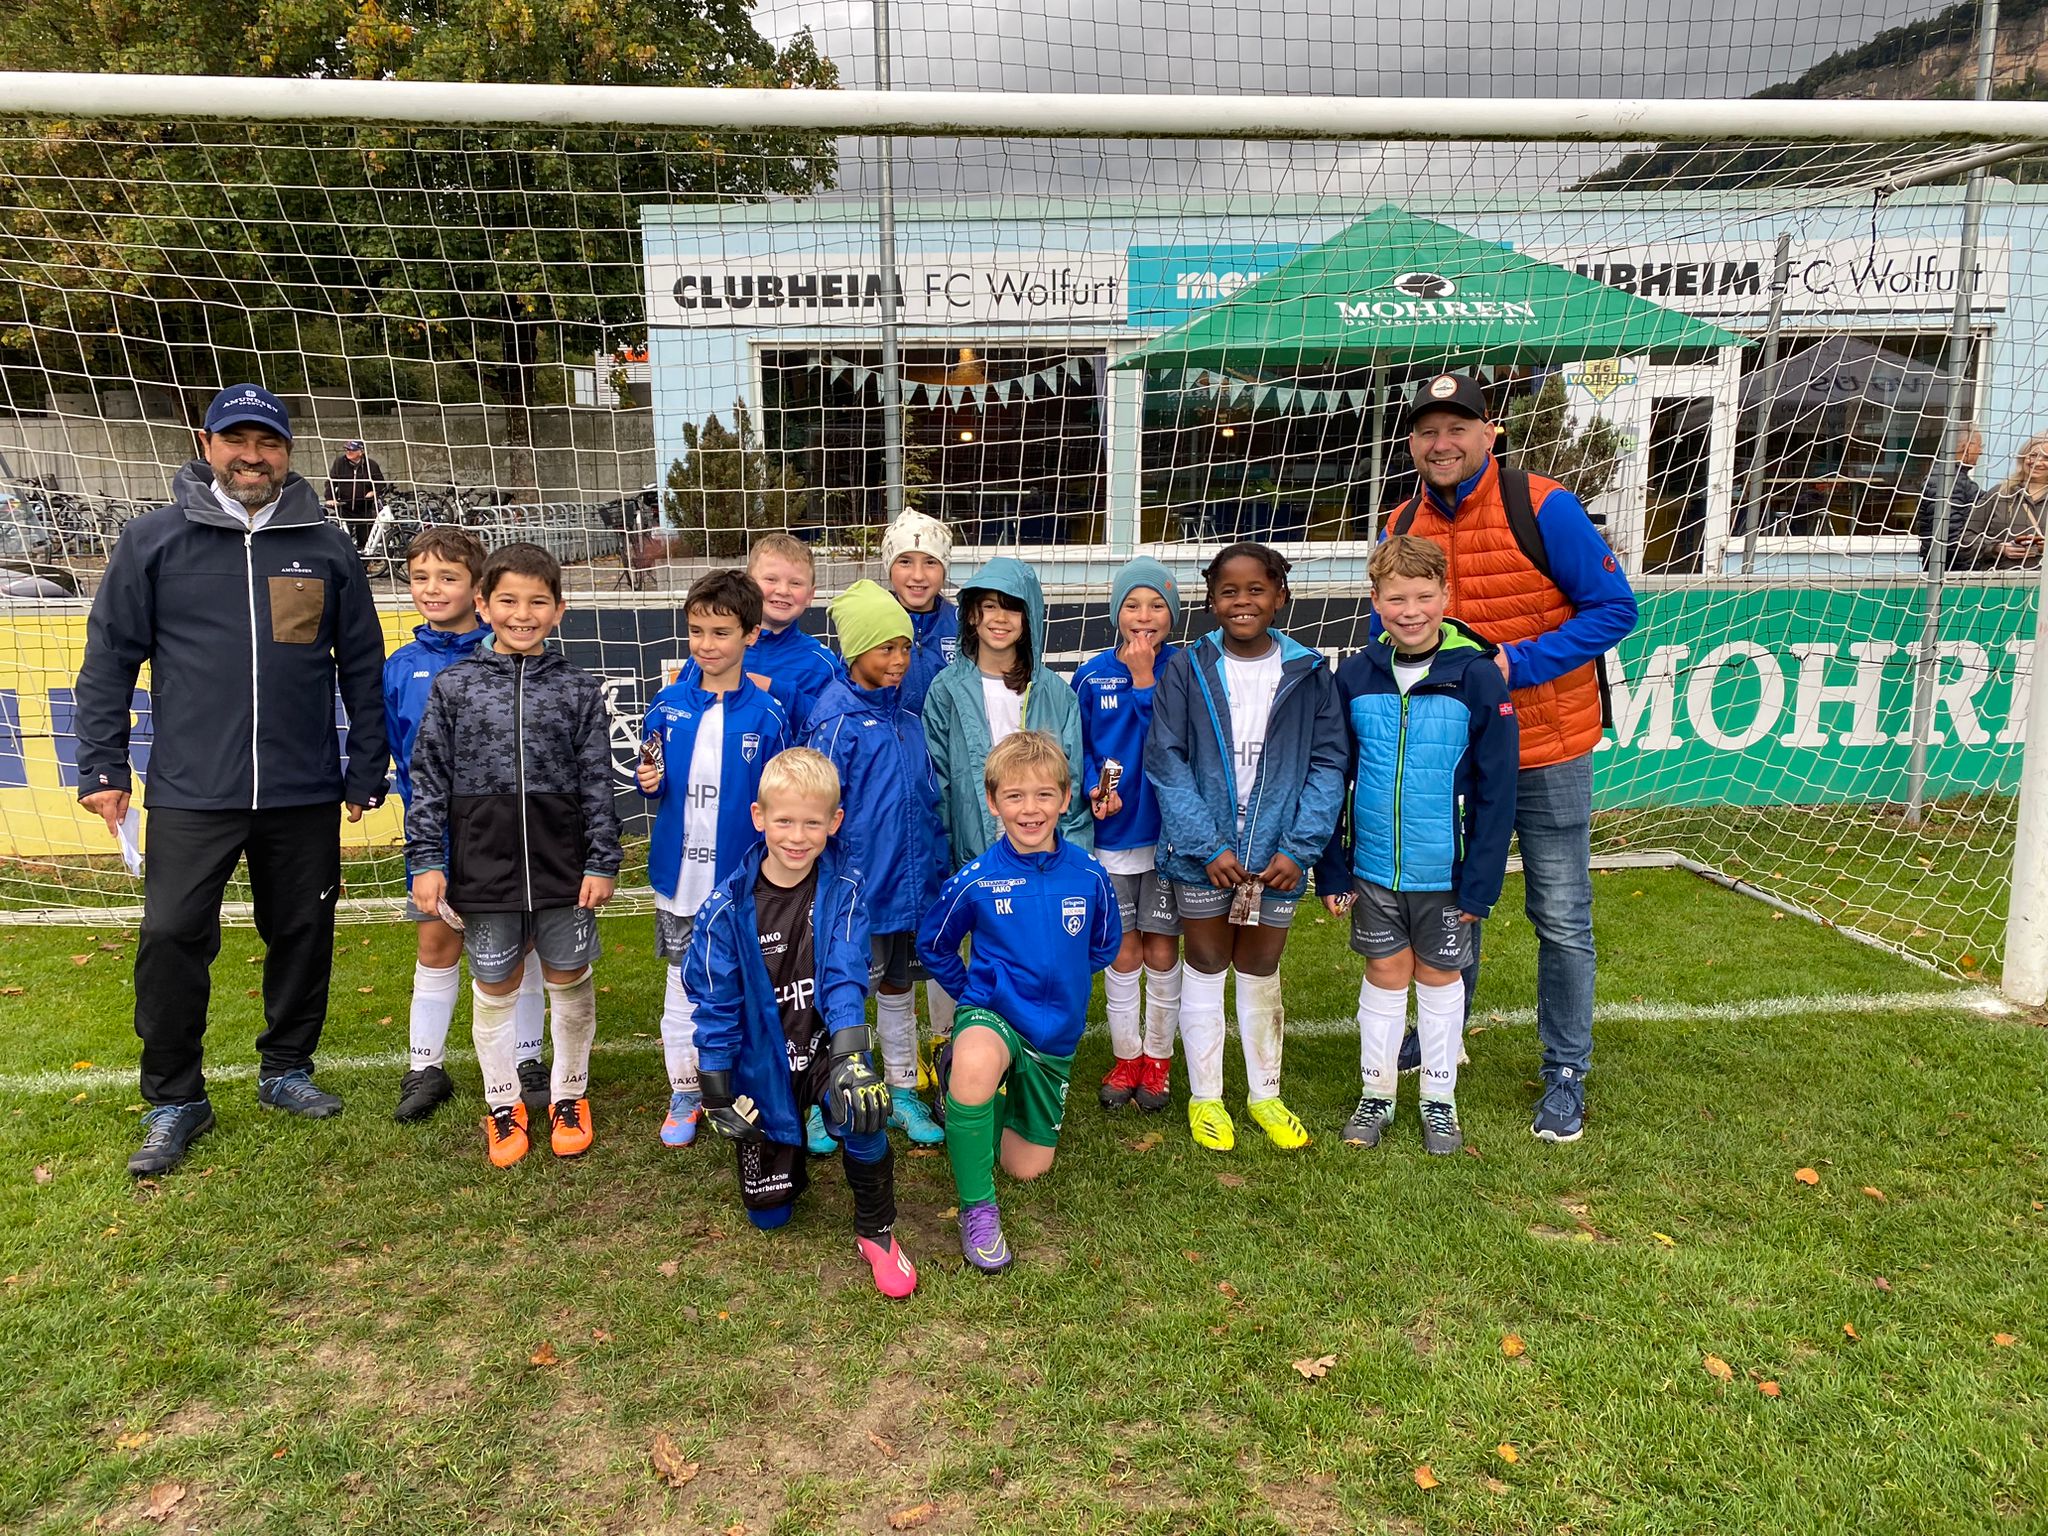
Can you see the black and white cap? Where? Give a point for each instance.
(1456, 392)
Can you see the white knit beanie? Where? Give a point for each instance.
(915, 533)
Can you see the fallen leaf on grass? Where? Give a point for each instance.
(1770, 1389)
(77, 1098)
(1718, 1368)
(385, 1020)
(280, 1453)
(1875, 1193)
(669, 1465)
(366, 991)
(1666, 1239)
(1191, 1255)
(599, 1336)
(1226, 1290)
(1495, 1485)
(1808, 1176)
(81, 959)
(1470, 1150)
(1315, 1367)
(42, 1174)
(545, 1355)
(668, 1268)
(1512, 1346)
(1849, 1332)
(1425, 1479)
(13, 991)
(881, 1445)
(81, 1066)
(134, 1442)
(737, 1528)
(910, 1519)
(1230, 1180)
(163, 1498)
(1146, 1142)
(1882, 1284)
(2004, 1340)
(1507, 1453)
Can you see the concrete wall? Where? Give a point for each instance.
(569, 454)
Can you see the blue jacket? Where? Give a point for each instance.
(739, 1027)
(1433, 798)
(755, 730)
(891, 833)
(797, 666)
(1043, 925)
(1300, 788)
(1115, 717)
(409, 674)
(956, 724)
(934, 645)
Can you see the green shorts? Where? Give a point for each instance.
(1033, 1098)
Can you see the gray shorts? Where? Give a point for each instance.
(672, 932)
(1145, 902)
(565, 938)
(895, 960)
(1385, 922)
(1205, 900)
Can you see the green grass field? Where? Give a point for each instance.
(335, 1326)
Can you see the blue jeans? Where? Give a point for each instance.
(1554, 825)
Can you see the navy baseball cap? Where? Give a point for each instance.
(1456, 392)
(250, 404)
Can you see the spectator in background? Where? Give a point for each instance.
(1963, 495)
(2004, 531)
(354, 482)
(249, 607)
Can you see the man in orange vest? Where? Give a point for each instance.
(1529, 571)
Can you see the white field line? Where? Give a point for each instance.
(1957, 1000)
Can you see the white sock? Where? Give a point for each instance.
(434, 990)
(896, 1025)
(1201, 1030)
(1120, 988)
(1382, 1020)
(1261, 1030)
(532, 1016)
(491, 1027)
(573, 1005)
(1440, 1024)
(939, 1003)
(1162, 1010)
(679, 1034)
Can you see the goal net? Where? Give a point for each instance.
(643, 342)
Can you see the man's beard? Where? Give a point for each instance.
(249, 497)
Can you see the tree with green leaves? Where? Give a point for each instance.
(445, 265)
(1541, 439)
(726, 485)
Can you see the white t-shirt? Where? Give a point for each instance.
(1408, 673)
(699, 874)
(1005, 710)
(1128, 861)
(1251, 686)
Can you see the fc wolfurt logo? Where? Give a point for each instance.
(1424, 285)
(949, 647)
(1074, 914)
(750, 745)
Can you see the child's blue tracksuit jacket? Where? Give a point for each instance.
(739, 1026)
(1432, 802)
(1043, 924)
(755, 729)
(934, 642)
(1299, 792)
(798, 667)
(892, 833)
(1115, 716)
(409, 674)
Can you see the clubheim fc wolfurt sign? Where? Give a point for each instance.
(1039, 289)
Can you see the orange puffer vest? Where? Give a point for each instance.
(1500, 594)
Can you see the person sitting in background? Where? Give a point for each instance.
(2004, 529)
(1963, 495)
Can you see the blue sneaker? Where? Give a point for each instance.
(168, 1132)
(981, 1238)
(817, 1140)
(296, 1094)
(685, 1113)
(1411, 1052)
(908, 1114)
(1561, 1112)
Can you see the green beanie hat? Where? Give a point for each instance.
(867, 615)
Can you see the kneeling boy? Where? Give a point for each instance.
(778, 968)
(1044, 919)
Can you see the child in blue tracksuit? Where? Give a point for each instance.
(1042, 915)
(778, 964)
(1419, 858)
(1247, 757)
(1115, 690)
(443, 566)
(796, 665)
(915, 553)
(704, 743)
(892, 833)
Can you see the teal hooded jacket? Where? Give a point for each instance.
(956, 724)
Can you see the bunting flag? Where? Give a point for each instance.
(1048, 381)
(1259, 394)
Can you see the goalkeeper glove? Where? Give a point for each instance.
(856, 1100)
(735, 1118)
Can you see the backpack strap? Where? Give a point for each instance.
(1404, 516)
(1521, 510)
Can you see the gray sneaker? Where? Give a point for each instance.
(1440, 1133)
(1368, 1122)
(296, 1094)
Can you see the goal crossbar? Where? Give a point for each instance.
(1009, 114)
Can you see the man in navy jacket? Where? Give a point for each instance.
(252, 611)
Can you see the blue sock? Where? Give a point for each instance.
(769, 1220)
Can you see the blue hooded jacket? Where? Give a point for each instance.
(1115, 718)
(956, 723)
(891, 833)
(1043, 925)
(739, 1027)
(797, 666)
(409, 674)
(1300, 787)
(1433, 800)
(934, 644)
(755, 729)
